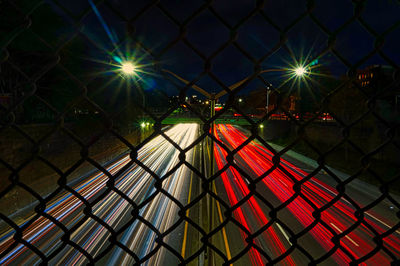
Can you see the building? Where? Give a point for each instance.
(377, 81)
(261, 97)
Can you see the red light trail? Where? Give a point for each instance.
(314, 195)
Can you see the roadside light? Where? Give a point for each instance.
(207, 102)
(261, 126)
(147, 123)
(300, 71)
(143, 124)
(128, 68)
(240, 100)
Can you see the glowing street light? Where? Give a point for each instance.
(128, 68)
(240, 100)
(143, 124)
(300, 71)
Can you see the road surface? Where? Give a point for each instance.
(295, 212)
(113, 211)
(271, 219)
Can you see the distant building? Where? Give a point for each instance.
(378, 79)
(375, 77)
(193, 100)
(173, 100)
(258, 100)
(188, 99)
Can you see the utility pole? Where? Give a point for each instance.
(211, 202)
(268, 89)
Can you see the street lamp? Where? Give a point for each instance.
(128, 68)
(267, 100)
(300, 71)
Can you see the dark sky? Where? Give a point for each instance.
(254, 35)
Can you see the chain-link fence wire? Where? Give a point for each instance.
(29, 75)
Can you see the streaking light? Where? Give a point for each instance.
(136, 184)
(259, 160)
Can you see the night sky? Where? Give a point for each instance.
(103, 31)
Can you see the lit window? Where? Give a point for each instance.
(372, 74)
(359, 76)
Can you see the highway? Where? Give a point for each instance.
(266, 211)
(297, 216)
(89, 238)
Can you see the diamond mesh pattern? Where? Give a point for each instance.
(129, 203)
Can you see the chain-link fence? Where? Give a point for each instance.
(199, 132)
